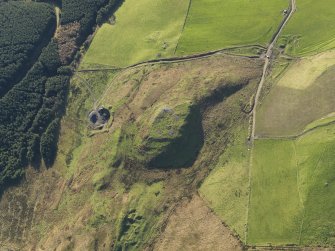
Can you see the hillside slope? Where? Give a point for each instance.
(102, 183)
(167, 125)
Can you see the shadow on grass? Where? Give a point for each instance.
(183, 151)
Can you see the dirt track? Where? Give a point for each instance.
(267, 64)
(259, 90)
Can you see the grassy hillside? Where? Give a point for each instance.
(226, 188)
(142, 30)
(101, 189)
(176, 166)
(311, 29)
(217, 24)
(292, 187)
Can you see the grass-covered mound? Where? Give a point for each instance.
(175, 137)
(91, 198)
(169, 137)
(164, 107)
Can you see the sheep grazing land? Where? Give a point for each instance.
(167, 125)
(311, 30)
(140, 30)
(216, 24)
(304, 92)
(292, 190)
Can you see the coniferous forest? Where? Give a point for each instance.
(34, 77)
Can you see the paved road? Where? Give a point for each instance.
(266, 66)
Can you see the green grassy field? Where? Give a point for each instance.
(216, 24)
(226, 188)
(311, 29)
(275, 207)
(316, 162)
(143, 30)
(293, 182)
(304, 93)
(330, 118)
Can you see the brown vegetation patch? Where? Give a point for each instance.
(66, 37)
(194, 226)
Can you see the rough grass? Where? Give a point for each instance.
(166, 130)
(217, 24)
(193, 226)
(91, 166)
(311, 29)
(297, 100)
(293, 182)
(90, 199)
(137, 221)
(143, 30)
(226, 188)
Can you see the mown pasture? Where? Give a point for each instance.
(292, 187)
(304, 93)
(143, 30)
(311, 29)
(217, 24)
(275, 208)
